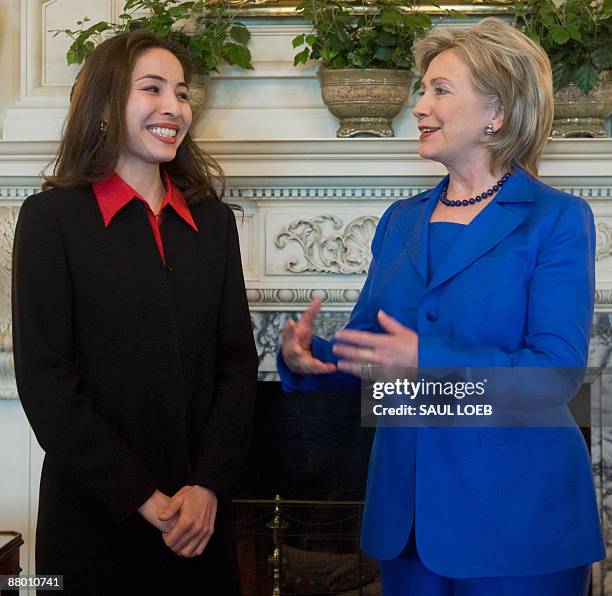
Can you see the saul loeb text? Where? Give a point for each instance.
(428, 398)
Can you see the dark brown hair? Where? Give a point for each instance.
(86, 154)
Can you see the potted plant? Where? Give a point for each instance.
(366, 58)
(214, 37)
(577, 36)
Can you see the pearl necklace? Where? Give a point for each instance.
(473, 200)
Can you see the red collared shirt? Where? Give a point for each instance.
(114, 193)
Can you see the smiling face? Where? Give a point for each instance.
(157, 112)
(452, 115)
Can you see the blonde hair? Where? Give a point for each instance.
(507, 69)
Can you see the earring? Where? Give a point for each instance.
(103, 125)
(489, 129)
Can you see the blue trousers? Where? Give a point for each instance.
(408, 576)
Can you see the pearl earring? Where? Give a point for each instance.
(103, 125)
(489, 129)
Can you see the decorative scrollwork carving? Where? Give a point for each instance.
(326, 250)
(8, 219)
(604, 240)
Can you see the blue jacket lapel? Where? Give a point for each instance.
(414, 227)
(488, 228)
(496, 221)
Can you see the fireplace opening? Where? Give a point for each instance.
(298, 513)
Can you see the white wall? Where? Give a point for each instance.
(9, 54)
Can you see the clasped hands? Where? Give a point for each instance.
(186, 520)
(397, 347)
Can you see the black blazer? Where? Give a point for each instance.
(134, 375)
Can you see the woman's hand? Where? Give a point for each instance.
(196, 508)
(296, 339)
(398, 347)
(152, 508)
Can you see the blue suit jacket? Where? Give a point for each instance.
(517, 291)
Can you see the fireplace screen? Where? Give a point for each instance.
(291, 547)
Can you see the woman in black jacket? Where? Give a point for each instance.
(134, 352)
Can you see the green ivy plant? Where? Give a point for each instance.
(373, 34)
(577, 36)
(215, 38)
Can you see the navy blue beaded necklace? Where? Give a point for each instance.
(477, 198)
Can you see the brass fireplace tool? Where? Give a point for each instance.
(277, 525)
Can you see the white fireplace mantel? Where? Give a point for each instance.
(384, 162)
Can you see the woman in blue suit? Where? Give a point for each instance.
(491, 268)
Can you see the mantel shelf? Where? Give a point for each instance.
(264, 162)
